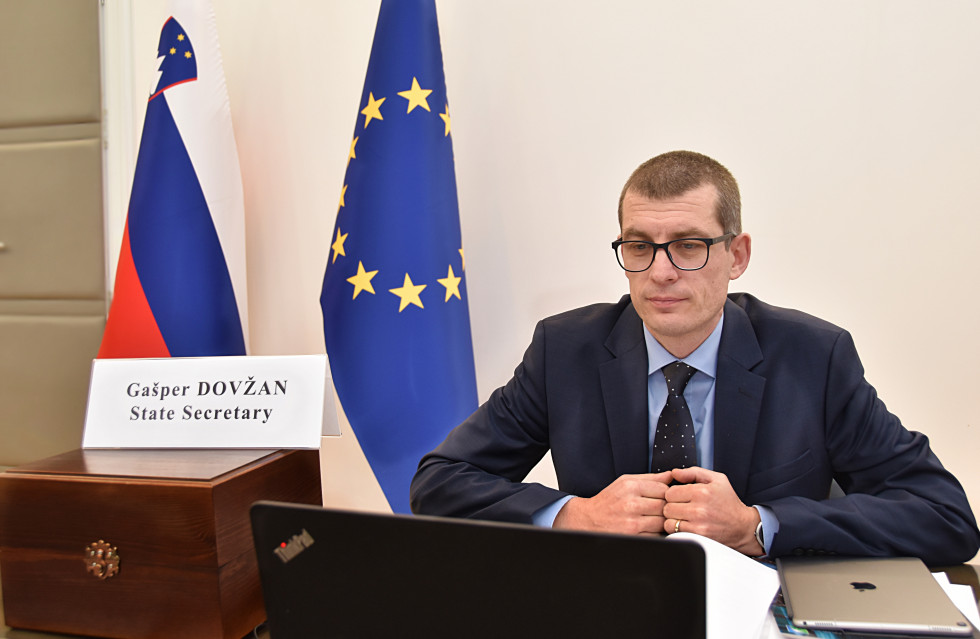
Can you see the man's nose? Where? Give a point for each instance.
(662, 268)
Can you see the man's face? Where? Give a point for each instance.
(681, 308)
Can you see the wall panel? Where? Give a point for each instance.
(52, 267)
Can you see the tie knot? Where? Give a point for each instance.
(677, 375)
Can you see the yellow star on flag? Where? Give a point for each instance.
(372, 110)
(362, 281)
(172, 50)
(416, 96)
(445, 118)
(352, 155)
(451, 282)
(343, 192)
(338, 245)
(463, 257)
(187, 55)
(180, 37)
(409, 293)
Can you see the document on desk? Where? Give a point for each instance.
(739, 590)
(961, 596)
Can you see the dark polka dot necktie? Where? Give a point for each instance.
(673, 444)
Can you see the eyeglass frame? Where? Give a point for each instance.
(708, 241)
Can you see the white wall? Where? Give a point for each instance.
(852, 127)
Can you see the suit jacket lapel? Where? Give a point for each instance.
(624, 392)
(738, 397)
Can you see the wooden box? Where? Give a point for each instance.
(176, 521)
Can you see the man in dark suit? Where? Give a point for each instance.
(778, 400)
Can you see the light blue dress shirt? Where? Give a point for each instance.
(700, 397)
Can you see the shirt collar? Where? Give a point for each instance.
(704, 358)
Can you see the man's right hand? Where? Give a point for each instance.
(632, 504)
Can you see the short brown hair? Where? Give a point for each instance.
(677, 172)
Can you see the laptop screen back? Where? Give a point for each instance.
(329, 573)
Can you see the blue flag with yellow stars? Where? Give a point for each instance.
(395, 312)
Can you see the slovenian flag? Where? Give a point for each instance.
(395, 311)
(180, 282)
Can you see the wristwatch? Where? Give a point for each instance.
(759, 537)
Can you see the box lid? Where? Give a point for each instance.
(181, 464)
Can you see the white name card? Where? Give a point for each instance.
(210, 402)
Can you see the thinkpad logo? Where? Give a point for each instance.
(288, 550)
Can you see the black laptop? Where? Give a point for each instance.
(333, 573)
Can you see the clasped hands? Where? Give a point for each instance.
(703, 501)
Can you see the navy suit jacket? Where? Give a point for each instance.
(792, 413)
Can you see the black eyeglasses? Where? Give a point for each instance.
(687, 253)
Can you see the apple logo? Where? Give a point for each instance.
(863, 585)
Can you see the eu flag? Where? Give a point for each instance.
(395, 314)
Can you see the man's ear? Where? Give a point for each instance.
(741, 249)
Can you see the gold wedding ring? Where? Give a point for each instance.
(677, 525)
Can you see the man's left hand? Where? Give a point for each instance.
(706, 504)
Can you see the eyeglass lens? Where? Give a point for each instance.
(685, 254)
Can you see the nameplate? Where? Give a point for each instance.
(210, 402)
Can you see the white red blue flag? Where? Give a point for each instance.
(180, 282)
